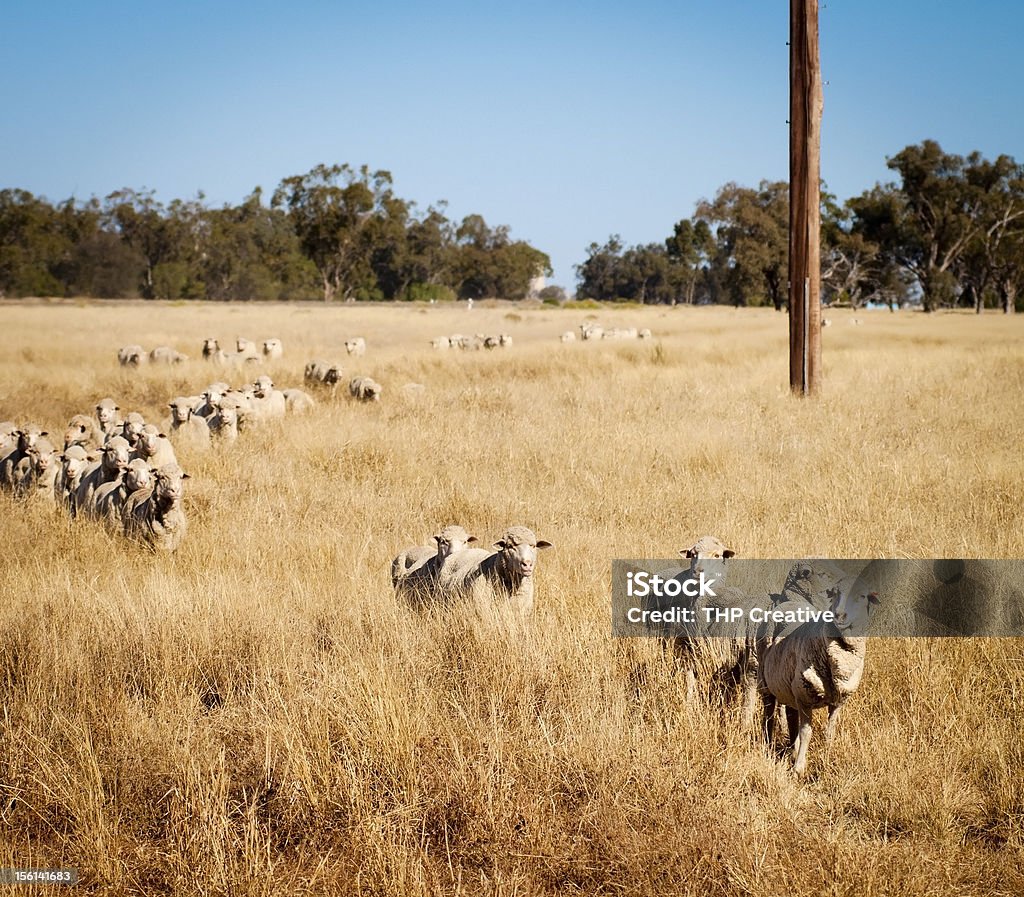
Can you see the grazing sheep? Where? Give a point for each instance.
(114, 457)
(297, 401)
(272, 349)
(73, 463)
(414, 571)
(323, 372)
(155, 516)
(568, 337)
(167, 355)
(494, 581)
(108, 418)
(365, 389)
(154, 448)
(441, 342)
(186, 424)
(111, 497)
(131, 427)
(355, 346)
(817, 664)
(504, 340)
(644, 334)
(492, 342)
(589, 331)
(132, 356)
(84, 431)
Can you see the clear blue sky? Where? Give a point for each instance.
(566, 121)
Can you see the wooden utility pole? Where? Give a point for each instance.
(805, 102)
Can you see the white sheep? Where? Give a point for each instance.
(366, 389)
(16, 451)
(494, 581)
(114, 457)
(74, 461)
(167, 355)
(325, 373)
(132, 356)
(414, 571)
(504, 340)
(111, 497)
(816, 664)
(246, 348)
(589, 331)
(356, 346)
(441, 342)
(38, 472)
(272, 349)
(131, 427)
(645, 333)
(212, 350)
(155, 516)
(84, 431)
(108, 418)
(186, 425)
(212, 397)
(297, 401)
(154, 448)
(268, 402)
(568, 337)
(224, 422)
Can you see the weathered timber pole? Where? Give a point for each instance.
(805, 102)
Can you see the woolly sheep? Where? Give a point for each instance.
(84, 431)
(39, 472)
(154, 448)
(365, 389)
(186, 424)
(246, 348)
(73, 463)
(815, 665)
(268, 402)
(494, 581)
(114, 457)
(155, 516)
(323, 372)
(108, 418)
(272, 349)
(167, 355)
(224, 423)
(16, 451)
(131, 427)
(212, 350)
(414, 571)
(441, 342)
(492, 342)
(215, 392)
(589, 331)
(568, 337)
(504, 340)
(355, 346)
(297, 401)
(111, 497)
(132, 356)
(644, 334)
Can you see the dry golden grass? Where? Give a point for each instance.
(255, 715)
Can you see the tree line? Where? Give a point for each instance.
(334, 232)
(948, 232)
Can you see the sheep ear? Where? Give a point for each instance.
(728, 553)
(186, 476)
(542, 544)
(471, 539)
(437, 539)
(873, 598)
(161, 435)
(688, 552)
(44, 433)
(499, 545)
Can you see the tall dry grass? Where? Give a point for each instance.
(255, 715)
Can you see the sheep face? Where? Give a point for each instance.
(28, 435)
(851, 601)
(262, 386)
(132, 427)
(452, 539)
(116, 453)
(332, 375)
(708, 556)
(519, 548)
(74, 460)
(810, 579)
(42, 456)
(106, 412)
(181, 410)
(137, 475)
(168, 485)
(149, 440)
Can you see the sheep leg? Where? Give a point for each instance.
(833, 721)
(749, 686)
(802, 740)
(768, 703)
